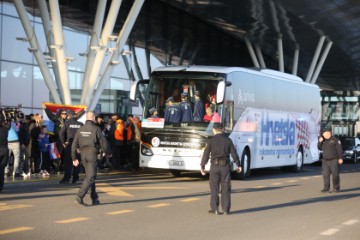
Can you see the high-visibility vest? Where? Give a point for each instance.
(119, 131)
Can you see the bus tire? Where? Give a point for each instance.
(299, 161)
(245, 166)
(174, 173)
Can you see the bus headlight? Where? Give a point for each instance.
(146, 151)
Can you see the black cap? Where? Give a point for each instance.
(197, 93)
(326, 129)
(170, 99)
(71, 112)
(152, 110)
(218, 126)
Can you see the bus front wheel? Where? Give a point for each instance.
(299, 161)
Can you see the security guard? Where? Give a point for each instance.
(87, 140)
(332, 159)
(4, 150)
(67, 134)
(220, 147)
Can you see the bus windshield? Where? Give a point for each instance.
(182, 102)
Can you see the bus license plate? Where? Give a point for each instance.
(176, 163)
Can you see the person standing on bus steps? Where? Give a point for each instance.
(87, 140)
(211, 116)
(220, 147)
(332, 159)
(172, 112)
(199, 110)
(186, 110)
(153, 113)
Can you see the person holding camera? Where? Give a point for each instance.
(331, 161)
(220, 148)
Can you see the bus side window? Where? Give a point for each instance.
(229, 116)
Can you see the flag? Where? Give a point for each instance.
(54, 152)
(54, 110)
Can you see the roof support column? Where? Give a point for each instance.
(94, 41)
(251, 51)
(296, 60)
(260, 56)
(123, 36)
(315, 58)
(321, 62)
(102, 49)
(280, 53)
(59, 49)
(193, 56)
(183, 50)
(31, 36)
(136, 64)
(46, 22)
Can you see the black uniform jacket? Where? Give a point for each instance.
(67, 133)
(220, 147)
(331, 148)
(89, 136)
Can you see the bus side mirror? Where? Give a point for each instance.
(220, 92)
(134, 88)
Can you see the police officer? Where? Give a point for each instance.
(199, 110)
(220, 147)
(87, 140)
(4, 150)
(332, 159)
(67, 134)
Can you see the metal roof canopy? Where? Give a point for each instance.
(298, 23)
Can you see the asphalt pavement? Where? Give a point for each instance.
(149, 204)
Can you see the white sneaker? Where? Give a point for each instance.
(46, 173)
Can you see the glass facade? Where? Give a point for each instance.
(22, 81)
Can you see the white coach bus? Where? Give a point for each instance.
(273, 118)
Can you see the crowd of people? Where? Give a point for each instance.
(188, 108)
(29, 142)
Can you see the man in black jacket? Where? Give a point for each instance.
(88, 139)
(332, 159)
(67, 134)
(220, 147)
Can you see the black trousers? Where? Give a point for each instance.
(134, 154)
(88, 160)
(331, 167)
(68, 164)
(4, 158)
(220, 177)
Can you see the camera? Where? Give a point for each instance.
(9, 113)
